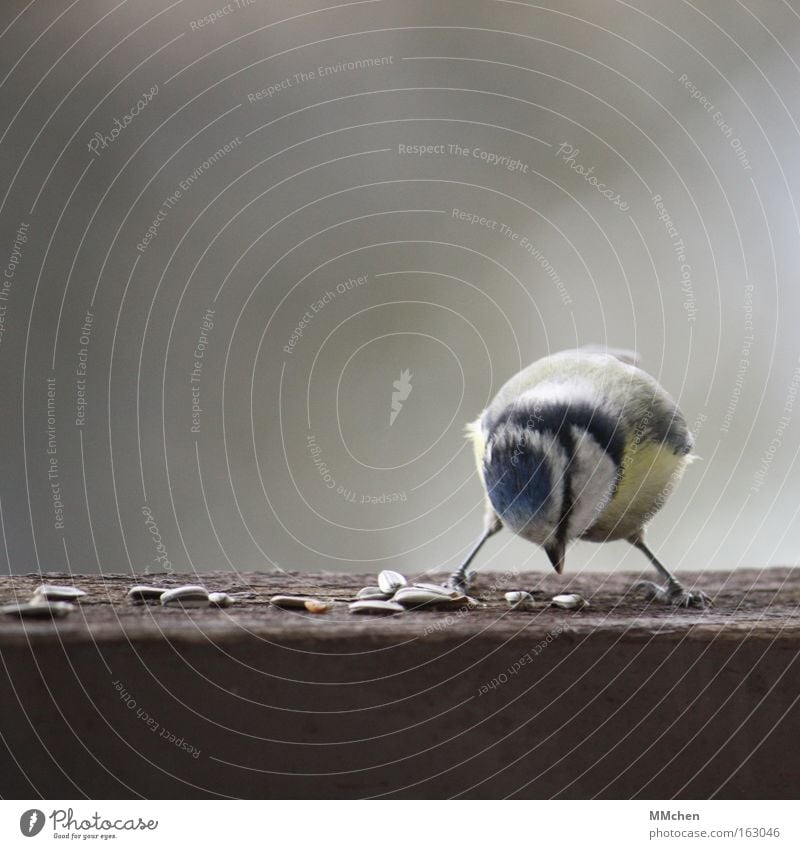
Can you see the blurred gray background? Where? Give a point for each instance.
(229, 229)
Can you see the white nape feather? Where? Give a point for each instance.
(593, 476)
(576, 390)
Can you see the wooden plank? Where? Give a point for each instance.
(623, 699)
(762, 602)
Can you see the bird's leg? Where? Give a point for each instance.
(674, 592)
(459, 580)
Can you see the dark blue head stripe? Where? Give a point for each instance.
(518, 482)
(558, 418)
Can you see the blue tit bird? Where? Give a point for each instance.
(582, 444)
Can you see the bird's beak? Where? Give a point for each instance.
(556, 551)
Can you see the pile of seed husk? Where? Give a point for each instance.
(189, 596)
(393, 594)
(49, 601)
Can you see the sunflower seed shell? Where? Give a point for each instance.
(389, 581)
(376, 606)
(221, 599)
(520, 600)
(416, 597)
(569, 601)
(53, 592)
(188, 596)
(373, 594)
(438, 588)
(291, 601)
(141, 593)
(429, 591)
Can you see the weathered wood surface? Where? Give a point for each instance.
(762, 603)
(625, 699)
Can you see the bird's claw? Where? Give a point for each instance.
(458, 582)
(674, 594)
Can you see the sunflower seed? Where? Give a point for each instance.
(188, 596)
(220, 599)
(373, 594)
(314, 605)
(389, 581)
(38, 610)
(52, 592)
(520, 600)
(569, 601)
(430, 592)
(376, 606)
(141, 593)
(441, 597)
(297, 601)
(438, 588)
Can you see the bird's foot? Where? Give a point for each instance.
(673, 594)
(459, 581)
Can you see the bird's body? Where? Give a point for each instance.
(582, 444)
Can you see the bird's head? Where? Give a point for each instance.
(551, 469)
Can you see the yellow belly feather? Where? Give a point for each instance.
(649, 473)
